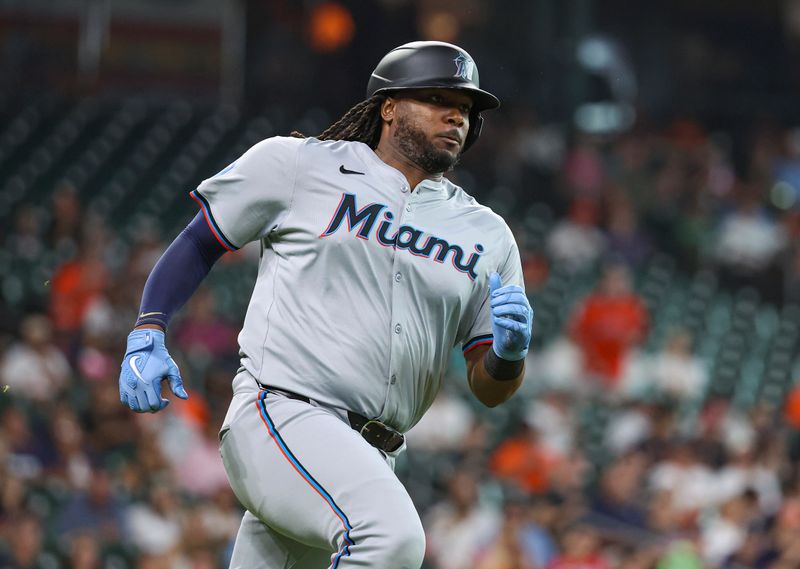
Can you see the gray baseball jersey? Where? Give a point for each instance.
(364, 287)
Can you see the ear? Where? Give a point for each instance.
(388, 108)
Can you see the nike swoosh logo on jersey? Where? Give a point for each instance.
(132, 363)
(143, 314)
(344, 170)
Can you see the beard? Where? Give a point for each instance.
(421, 151)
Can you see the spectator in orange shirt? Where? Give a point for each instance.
(608, 323)
(792, 408)
(524, 461)
(76, 284)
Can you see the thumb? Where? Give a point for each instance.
(175, 381)
(495, 282)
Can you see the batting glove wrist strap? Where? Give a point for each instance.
(140, 339)
(500, 369)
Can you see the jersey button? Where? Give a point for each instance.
(394, 379)
(408, 208)
(397, 277)
(404, 189)
(398, 329)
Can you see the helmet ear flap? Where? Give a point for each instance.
(475, 126)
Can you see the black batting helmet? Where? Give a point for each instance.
(433, 64)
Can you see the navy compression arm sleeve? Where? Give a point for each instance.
(179, 272)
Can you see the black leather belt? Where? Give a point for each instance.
(381, 436)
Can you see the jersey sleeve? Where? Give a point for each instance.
(510, 269)
(250, 197)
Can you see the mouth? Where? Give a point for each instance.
(452, 138)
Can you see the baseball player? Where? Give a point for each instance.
(373, 267)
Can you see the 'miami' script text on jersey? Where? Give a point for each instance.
(404, 237)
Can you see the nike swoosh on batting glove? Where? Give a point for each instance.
(512, 319)
(145, 365)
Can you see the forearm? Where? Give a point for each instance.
(493, 381)
(178, 273)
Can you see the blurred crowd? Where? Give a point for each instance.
(710, 199)
(661, 491)
(610, 457)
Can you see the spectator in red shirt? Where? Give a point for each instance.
(580, 550)
(608, 323)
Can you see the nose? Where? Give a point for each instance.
(455, 117)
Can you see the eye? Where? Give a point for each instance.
(465, 109)
(435, 99)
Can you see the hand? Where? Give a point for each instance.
(144, 367)
(512, 319)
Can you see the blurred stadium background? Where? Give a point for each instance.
(647, 156)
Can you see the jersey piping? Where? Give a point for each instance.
(212, 224)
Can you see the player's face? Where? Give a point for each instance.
(431, 126)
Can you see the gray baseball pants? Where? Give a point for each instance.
(317, 494)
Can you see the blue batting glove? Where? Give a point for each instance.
(144, 367)
(512, 319)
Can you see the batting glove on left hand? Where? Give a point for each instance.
(146, 364)
(512, 319)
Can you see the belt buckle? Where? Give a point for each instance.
(379, 435)
(372, 422)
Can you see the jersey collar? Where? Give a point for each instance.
(429, 188)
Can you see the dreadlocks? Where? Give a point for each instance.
(362, 123)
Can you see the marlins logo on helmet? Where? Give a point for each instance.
(464, 67)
